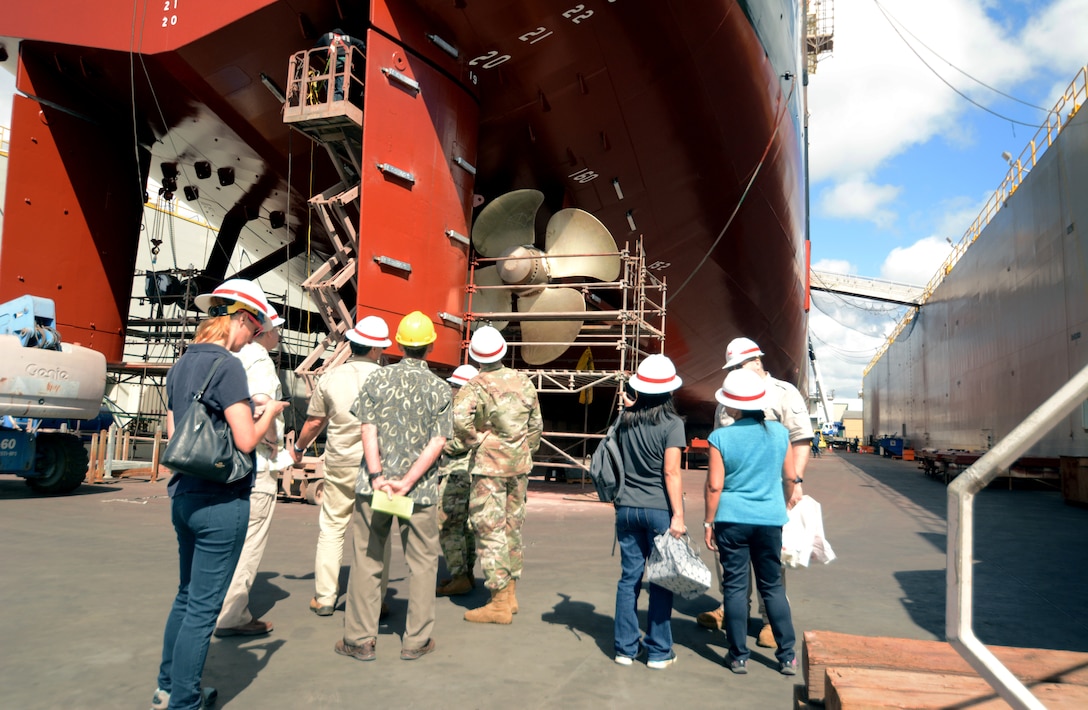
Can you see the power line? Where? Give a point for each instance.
(961, 71)
(943, 80)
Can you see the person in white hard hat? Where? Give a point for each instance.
(235, 618)
(749, 479)
(330, 406)
(454, 534)
(497, 416)
(651, 438)
(786, 405)
(209, 518)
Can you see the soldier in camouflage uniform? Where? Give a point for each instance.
(454, 532)
(405, 413)
(498, 416)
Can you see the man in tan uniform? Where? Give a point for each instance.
(331, 406)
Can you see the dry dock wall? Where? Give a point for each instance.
(1006, 328)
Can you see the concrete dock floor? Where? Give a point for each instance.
(88, 579)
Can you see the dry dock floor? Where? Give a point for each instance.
(88, 579)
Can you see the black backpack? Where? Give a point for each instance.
(606, 467)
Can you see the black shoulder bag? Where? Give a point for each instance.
(202, 449)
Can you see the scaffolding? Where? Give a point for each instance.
(624, 321)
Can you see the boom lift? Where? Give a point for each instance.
(42, 378)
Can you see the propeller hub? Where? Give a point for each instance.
(524, 266)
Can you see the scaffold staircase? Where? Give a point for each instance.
(321, 103)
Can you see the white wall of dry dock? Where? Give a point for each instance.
(1006, 328)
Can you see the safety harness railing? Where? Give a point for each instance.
(960, 572)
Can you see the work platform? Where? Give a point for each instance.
(89, 579)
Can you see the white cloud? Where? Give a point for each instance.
(859, 198)
(1055, 36)
(834, 266)
(917, 263)
(873, 99)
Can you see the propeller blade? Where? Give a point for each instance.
(507, 221)
(491, 300)
(574, 231)
(550, 300)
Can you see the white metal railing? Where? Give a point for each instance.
(1063, 112)
(960, 559)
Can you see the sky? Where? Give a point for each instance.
(899, 163)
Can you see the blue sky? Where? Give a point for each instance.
(899, 162)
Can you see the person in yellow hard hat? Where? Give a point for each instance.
(404, 410)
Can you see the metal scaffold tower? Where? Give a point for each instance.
(624, 321)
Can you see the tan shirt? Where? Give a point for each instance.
(333, 399)
(261, 378)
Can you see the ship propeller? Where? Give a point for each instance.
(576, 244)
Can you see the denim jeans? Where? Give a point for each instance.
(636, 529)
(738, 544)
(211, 528)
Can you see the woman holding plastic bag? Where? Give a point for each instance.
(650, 437)
(749, 480)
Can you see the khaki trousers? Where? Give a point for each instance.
(337, 504)
(235, 611)
(371, 533)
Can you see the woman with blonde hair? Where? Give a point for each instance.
(210, 518)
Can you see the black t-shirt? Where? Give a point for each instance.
(228, 386)
(643, 451)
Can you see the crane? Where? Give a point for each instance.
(823, 402)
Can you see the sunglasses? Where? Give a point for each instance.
(258, 329)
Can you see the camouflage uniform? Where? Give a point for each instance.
(454, 533)
(409, 406)
(497, 416)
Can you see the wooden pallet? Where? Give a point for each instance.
(901, 659)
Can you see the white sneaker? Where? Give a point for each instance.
(624, 660)
(161, 699)
(661, 663)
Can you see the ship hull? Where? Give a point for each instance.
(677, 123)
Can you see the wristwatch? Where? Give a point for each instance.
(708, 526)
(371, 476)
(298, 450)
(798, 479)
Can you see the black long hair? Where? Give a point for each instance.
(648, 409)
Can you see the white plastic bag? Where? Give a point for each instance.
(803, 535)
(675, 565)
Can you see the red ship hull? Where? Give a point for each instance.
(689, 107)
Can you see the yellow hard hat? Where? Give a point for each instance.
(416, 330)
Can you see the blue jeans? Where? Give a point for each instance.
(762, 544)
(636, 529)
(211, 528)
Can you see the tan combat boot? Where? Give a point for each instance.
(496, 611)
(766, 637)
(461, 584)
(513, 587)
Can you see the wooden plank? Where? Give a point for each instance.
(873, 689)
(827, 649)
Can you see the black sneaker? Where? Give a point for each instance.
(736, 665)
(788, 667)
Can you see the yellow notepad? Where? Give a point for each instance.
(400, 506)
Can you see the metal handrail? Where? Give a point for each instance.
(1063, 112)
(960, 574)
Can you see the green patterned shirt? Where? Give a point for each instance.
(497, 415)
(409, 405)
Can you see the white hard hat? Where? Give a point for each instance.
(243, 292)
(462, 374)
(487, 345)
(656, 375)
(276, 320)
(740, 350)
(743, 389)
(371, 331)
